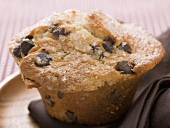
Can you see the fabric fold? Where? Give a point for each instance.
(139, 114)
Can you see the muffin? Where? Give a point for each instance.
(86, 66)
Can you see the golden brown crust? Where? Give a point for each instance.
(87, 30)
(82, 56)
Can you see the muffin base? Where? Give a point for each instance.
(98, 107)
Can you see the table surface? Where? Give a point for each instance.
(15, 15)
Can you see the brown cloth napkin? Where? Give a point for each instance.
(151, 107)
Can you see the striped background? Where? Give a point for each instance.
(15, 15)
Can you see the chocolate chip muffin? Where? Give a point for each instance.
(86, 66)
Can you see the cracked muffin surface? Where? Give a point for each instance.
(85, 50)
(86, 66)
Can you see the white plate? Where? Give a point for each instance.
(14, 100)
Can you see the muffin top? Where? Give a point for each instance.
(74, 51)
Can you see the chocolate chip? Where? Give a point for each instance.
(101, 56)
(60, 95)
(49, 101)
(117, 100)
(43, 49)
(108, 45)
(52, 28)
(71, 116)
(125, 67)
(94, 48)
(48, 97)
(115, 97)
(114, 91)
(124, 46)
(110, 41)
(42, 59)
(17, 51)
(29, 37)
(97, 51)
(57, 31)
(26, 45)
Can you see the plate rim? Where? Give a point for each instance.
(10, 77)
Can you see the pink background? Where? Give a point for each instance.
(15, 15)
